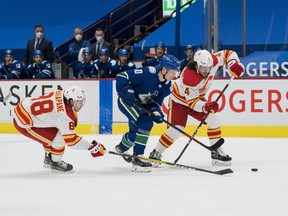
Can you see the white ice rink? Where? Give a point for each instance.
(106, 186)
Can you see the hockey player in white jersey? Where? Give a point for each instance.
(51, 119)
(188, 99)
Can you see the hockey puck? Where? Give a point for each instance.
(254, 169)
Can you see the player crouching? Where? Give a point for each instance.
(51, 119)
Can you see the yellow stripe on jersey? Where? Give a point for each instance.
(227, 53)
(23, 115)
(72, 139)
(43, 139)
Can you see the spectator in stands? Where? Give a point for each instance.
(160, 50)
(189, 52)
(11, 68)
(101, 43)
(84, 69)
(39, 42)
(76, 48)
(123, 64)
(104, 66)
(40, 69)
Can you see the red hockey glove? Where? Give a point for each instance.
(236, 70)
(97, 149)
(210, 107)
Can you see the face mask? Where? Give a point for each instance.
(78, 37)
(99, 38)
(39, 34)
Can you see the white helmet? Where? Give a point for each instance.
(75, 93)
(203, 58)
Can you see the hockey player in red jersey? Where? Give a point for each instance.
(51, 120)
(188, 99)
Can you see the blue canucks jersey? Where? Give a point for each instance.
(145, 83)
(183, 64)
(128, 66)
(43, 71)
(153, 61)
(84, 70)
(15, 70)
(101, 70)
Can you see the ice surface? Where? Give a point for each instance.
(106, 186)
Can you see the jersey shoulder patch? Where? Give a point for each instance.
(191, 77)
(152, 70)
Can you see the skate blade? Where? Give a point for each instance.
(61, 172)
(141, 169)
(47, 166)
(221, 163)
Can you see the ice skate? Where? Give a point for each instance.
(155, 155)
(47, 160)
(120, 150)
(219, 158)
(61, 167)
(139, 165)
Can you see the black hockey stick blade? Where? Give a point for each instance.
(220, 172)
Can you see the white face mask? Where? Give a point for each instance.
(78, 37)
(39, 34)
(99, 38)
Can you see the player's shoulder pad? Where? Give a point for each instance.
(113, 62)
(130, 64)
(191, 77)
(152, 70)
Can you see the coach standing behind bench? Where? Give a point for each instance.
(39, 42)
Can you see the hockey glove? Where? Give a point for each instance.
(236, 69)
(128, 96)
(210, 107)
(97, 149)
(157, 114)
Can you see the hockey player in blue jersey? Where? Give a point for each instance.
(160, 50)
(11, 68)
(84, 69)
(123, 64)
(142, 88)
(104, 65)
(40, 69)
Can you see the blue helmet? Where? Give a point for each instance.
(9, 52)
(87, 50)
(37, 53)
(170, 62)
(123, 52)
(160, 44)
(189, 47)
(104, 51)
(192, 47)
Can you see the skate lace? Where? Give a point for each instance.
(221, 152)
(63, 164)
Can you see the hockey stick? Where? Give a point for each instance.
(210, 148)
(6, 98)
(202, 122)
(220, 172)
(142, 49)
